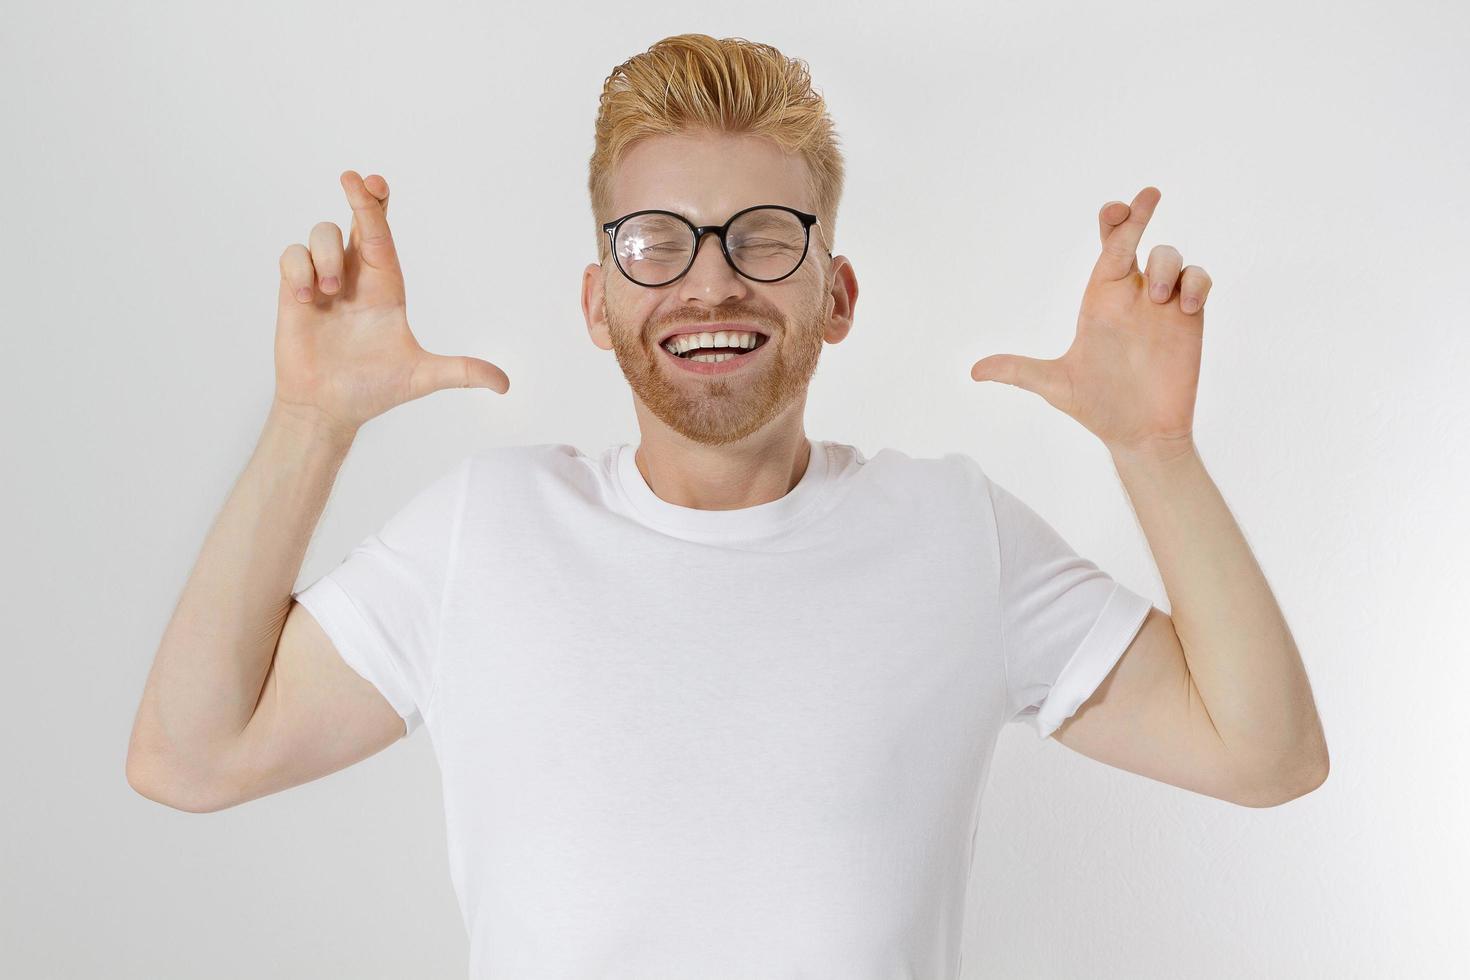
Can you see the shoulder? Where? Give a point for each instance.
(945, 492)
(952, 475)
(535, 472)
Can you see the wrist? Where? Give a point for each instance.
(1155, 452)
(311, 424)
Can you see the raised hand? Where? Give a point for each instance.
(344, 352)
(1132, 372)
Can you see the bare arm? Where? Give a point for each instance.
(211, 664)
(344, 354)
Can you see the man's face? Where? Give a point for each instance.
(707, 178)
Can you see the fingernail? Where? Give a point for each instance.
(329, 284)
(1189, 305)
(303, 294)
(1160, 291)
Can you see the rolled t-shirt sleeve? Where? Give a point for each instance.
(381, 605)
(1065, 622)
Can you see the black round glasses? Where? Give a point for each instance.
(765, 243)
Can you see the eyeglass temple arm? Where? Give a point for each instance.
(823, 231)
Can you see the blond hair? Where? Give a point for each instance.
(727, 85)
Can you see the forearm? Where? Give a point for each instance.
(1240, 652)
(212, 661)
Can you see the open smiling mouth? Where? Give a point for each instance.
(714, 355)
(715, 360)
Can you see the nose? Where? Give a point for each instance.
(710, 278)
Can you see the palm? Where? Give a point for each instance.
(354, 363)
(1133, 368)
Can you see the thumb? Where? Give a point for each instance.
(1037, 375)
(436, 372)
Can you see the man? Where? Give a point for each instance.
(722, 704)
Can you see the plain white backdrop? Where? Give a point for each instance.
(1312, 157)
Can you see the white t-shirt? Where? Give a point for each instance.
(683, 743)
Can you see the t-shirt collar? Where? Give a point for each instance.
(759, 521)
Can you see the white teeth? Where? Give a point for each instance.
(722, 338)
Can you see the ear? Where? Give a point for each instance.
(840, 300)
(593, 309)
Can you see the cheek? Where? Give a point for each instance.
(626, 320)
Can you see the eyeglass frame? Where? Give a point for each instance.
(807, 221)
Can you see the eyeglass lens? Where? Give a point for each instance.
(766, 243)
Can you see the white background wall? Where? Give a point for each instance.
(1312, 157)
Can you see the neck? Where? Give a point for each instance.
(756, 470)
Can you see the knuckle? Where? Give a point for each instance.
(327, 259)
(299, 272)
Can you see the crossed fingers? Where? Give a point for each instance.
(1120, 226)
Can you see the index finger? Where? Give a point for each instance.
(1120, 246)
(370, 231)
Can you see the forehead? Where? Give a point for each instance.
(708, 176)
